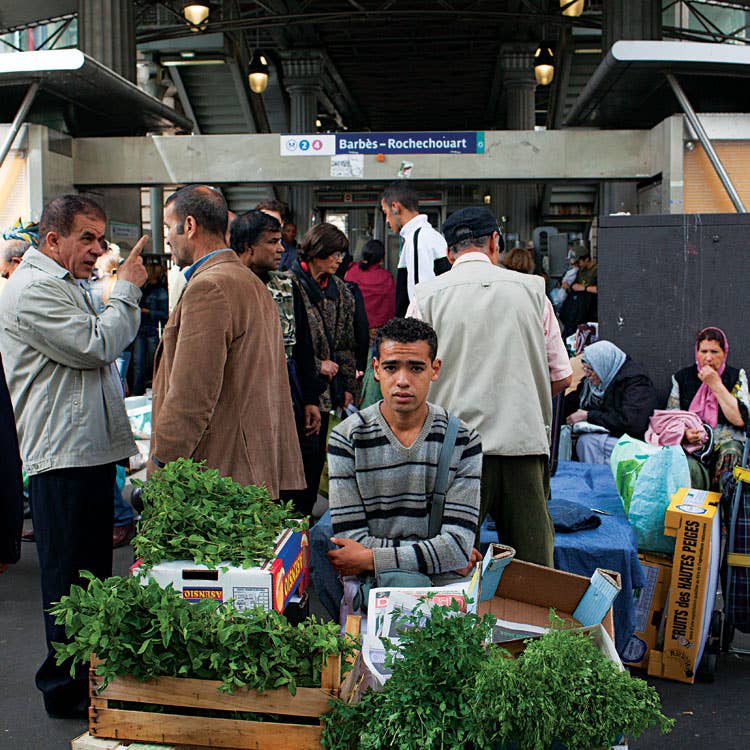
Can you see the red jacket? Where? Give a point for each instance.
(379, 292)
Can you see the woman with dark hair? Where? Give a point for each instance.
(718, 394)
(376, 284)
(330, 312)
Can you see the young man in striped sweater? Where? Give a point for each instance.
(382, 466)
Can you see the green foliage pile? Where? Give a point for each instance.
(561, 689)
(427, 700)
(192, 513)
(149, 632)
(448, 691)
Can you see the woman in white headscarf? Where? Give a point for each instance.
(616, 396)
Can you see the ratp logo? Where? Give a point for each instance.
(291, 144)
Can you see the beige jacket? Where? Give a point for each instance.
(56, 354)
(495, 375)
(221, 390)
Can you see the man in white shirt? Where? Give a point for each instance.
(424, 253)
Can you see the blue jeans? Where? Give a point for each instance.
(123, 511)
(324, 578)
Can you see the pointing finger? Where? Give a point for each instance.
(138, 247)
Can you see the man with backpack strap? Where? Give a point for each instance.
(385, 478)
(423, 253)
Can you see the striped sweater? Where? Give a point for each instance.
(380, 491)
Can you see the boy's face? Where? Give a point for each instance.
(405, 372)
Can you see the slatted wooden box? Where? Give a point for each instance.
(182, 697)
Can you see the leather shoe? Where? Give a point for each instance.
(28, 536)
(121, 535)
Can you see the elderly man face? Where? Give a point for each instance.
(78, 250)
(11, 254)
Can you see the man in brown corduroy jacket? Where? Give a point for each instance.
(221, 390)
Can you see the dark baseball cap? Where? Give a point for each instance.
(469, 223)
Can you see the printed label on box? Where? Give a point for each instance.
(202, 592)
(247, 597)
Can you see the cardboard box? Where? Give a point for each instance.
(649, 608)
(693, 519)
(527, 592)
(272, 585)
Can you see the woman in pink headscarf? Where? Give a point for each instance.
(718, 394)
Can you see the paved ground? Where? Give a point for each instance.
(708, 716)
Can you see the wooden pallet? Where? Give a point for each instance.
(182, 730)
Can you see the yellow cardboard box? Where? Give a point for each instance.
(693, 519)
(649, 608)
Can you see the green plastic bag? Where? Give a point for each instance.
(646, 477)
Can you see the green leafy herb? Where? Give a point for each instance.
(561, 689)
(148, 632)
(448, 691)
(192, 513)
(426, 702)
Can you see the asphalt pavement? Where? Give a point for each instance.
(708, 715)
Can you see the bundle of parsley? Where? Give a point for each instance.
(192, 513)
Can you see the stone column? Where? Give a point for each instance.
(627, 19)
(302, 74)
(630, 19)
(518, 201)
(106, 32)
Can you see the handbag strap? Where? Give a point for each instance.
(441, 477)
(416, 257)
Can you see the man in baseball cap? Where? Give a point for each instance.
(503, 359)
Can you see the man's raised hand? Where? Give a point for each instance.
(132, 269)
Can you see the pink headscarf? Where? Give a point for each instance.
(704, 403)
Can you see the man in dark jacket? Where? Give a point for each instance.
(11, 492)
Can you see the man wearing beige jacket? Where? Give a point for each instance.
(221, 390)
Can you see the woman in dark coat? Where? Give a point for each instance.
(330, 312)
(616, 396)
(718, 394)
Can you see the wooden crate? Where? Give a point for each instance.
(185, 731)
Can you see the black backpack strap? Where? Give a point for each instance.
(441, 477)
(416, 257)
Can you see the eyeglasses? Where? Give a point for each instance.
(337, 255)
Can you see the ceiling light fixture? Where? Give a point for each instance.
(544, 64)
(196, 14)
(257, 73)
(572, 8)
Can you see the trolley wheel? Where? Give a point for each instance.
(707, 668)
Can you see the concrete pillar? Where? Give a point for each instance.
(630, 19)
(106, 32)
(302, 74)
(626, 19)
(156, 195)
(518, 202)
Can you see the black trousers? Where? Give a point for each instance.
(313, 449)
(72, 510)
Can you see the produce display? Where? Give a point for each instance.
(148, 632)
(448, 689)
(192, 513)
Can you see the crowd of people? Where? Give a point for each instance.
(259, 360)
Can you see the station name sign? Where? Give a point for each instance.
(331, 144)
